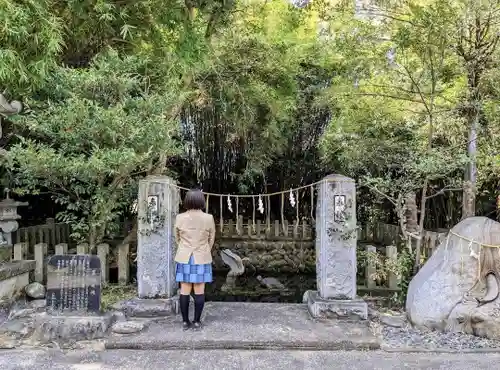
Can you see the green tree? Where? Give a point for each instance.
(31, 40)
(396, 89)
(89, 136)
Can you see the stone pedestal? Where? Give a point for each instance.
(336, 240)
(65, 327)
(158, 204)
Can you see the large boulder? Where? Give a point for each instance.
(457, 289)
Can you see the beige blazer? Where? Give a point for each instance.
(194, 235)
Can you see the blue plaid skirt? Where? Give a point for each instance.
(192, 273)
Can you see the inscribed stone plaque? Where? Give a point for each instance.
(74, 283)
(158, 204)
(336, 238)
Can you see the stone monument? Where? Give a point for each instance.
(158, 204)
(72, 301)
(74, 283)
(8, 224)
(336, 242)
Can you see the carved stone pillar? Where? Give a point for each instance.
(158, 204)
(336, 242)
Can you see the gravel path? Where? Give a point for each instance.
(391, 326)
(241, 360)
(407, 336)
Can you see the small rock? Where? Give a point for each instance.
(8, 343)
(35, 290)
(393, 321)
(127, 327)
(118, 316)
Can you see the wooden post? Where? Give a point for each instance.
(258, 228)
(295, 230)
(370, 268)
(20, 251)
(52, 230)
(239, 222)
(102, 252)
(230, 228)
(123, 265)
(82, 249)
(40, 252)
(250, 228)
(277, 228)
(39, 236)
(285, 228)
(61, 249)
(391, 253)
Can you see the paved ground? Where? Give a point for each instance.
(238, 325)
(240, 360)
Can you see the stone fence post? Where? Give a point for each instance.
(336, 242)
(158, 204)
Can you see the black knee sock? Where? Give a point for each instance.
(199, 302)
(184, 303)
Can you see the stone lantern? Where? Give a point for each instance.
(8, 224)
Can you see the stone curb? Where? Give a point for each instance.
(238, 345)
(438, 350)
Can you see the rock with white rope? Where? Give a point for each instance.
(458, 287)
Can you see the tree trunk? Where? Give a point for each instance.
(470, 177)
(418, 247)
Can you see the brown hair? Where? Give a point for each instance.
(194, 199)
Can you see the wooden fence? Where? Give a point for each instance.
(275, 230)
(41, 254)
(39, 242)
(388, 241)
(51, 233)
(386, 234)
(371, 277)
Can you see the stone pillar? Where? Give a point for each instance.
(336, 242)
(157, 206)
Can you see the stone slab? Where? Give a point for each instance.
(14, 268)
(349, 309)
(74, 283)
(14, 276)
(128, 327)
(237, 325)
(138, 307)
(66, 327)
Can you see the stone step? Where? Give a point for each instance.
(152, 308)
(238, 325)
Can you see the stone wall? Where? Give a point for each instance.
(270, 255)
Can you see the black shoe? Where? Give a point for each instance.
(197, 325)
(186, 326)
